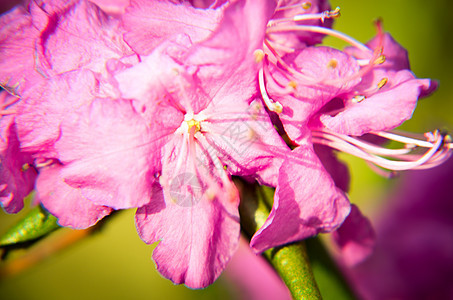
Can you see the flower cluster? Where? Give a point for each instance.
(155, 105)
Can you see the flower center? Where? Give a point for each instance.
(191, 124)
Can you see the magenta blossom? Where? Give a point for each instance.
(161, 129)
(208, 130)
(326, 96)
(155, 106)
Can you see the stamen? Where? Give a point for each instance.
(283, 65)
(306, 17)
(358, 98)
(383, 82)
(332, 64)
(380, 60)
(193, 123)
(322, 30)
(305, 5)
(409, 157)
(25, 167)
(271, 105)
(292, 84)
(259, 55)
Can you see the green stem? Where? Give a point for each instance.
(293, 265)
(290, 261)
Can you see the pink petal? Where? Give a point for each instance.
(16, 182)
(107, 152)
(355, 238)
(244, 139)
(112, 7)
(65, 202)
(17, 40)
(384, 108)
(149, 23)
(196, 241)
(328, 73)
(301, 39)
(46, 105)
(254, 276)
(227, 71)
(91, 38)
(337, 169)
(396, 57)
(306, 202)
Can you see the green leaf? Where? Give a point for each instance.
(36, 224)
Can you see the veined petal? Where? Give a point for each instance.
(227, 71)
(396, 57)
(355, 238)
(16, 178)
(17, 47)
(149, 23)
(244, 139)
(65, 202)
(44, 106)
(306, 203)
(196, 241)
(386, 108)
(91, 38)
(112, 7)
(102, 147)
(325, 74)
(337, 169)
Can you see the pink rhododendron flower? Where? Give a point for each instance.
(326, 96)
(156, 104)
(208, 100)
(182, 118)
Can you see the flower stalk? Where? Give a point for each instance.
(290, 261)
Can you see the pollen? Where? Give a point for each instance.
(306, 5)
(259, 55)
(332, 64)
(383, 82)
(292, 84)
(358, 98)
(380, 60)
(25, 167)
(193, 123)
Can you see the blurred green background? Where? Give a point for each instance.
(116, 264)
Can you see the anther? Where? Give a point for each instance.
(259, 55)
(306, 5)
(383, 82)
(380, 60)
(25, 167)
(358, 98)
(292, 84)
(193, 123)
(271, 105)
(331, 14)
(332, 64)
